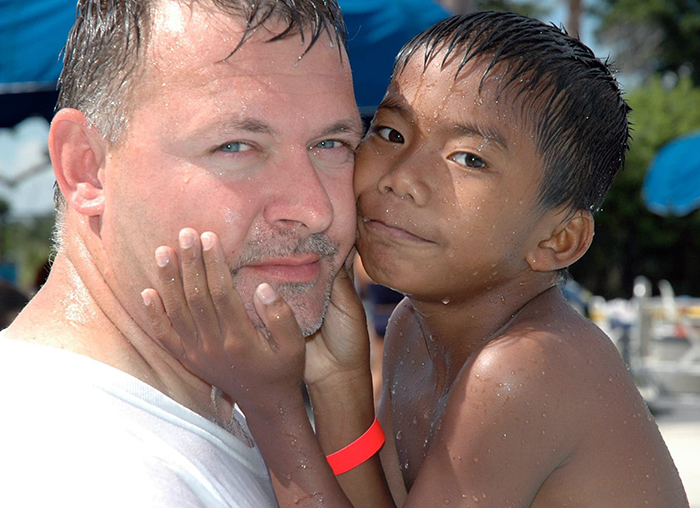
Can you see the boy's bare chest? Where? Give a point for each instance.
(417, 409)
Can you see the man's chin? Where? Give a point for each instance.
(308, 306)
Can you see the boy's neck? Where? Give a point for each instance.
(453, 331)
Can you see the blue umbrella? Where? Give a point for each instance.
(672, 182)
(377, 29)
(32, 34)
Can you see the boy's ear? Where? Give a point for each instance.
(568, 241)
(78, 153)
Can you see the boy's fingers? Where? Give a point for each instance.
(227, 302)
(161, 323)
(195, 286)
(172, 294)
(278, 318)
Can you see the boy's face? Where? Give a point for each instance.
(446, 183)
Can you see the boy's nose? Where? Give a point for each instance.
(299, 197)
(406, 180)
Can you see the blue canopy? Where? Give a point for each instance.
(672, 182)
(33, 32)
(377, 29)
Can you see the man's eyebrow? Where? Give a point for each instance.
(223, 125)
(486, 132)
(342, 126)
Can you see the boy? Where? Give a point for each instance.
(496, 142)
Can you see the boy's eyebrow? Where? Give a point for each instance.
(466, 129)
(396, 105)
(485, 132)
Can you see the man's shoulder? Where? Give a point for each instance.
(82, 426)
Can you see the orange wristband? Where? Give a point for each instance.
(359, 451)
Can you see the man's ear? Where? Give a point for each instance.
(568, 241)
(78, 153)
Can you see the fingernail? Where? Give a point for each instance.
(266, 294)
(146, 296)
(186, 239)
(162, 257)
(206, 241)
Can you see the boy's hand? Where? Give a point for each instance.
(341, 346)
(200, 319)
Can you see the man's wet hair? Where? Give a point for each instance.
(570, 98)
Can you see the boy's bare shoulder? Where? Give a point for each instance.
(553, 359)
(553, 391)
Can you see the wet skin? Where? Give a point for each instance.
(495, 390)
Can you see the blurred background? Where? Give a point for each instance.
(640, 281)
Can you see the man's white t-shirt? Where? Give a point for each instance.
(75, 432)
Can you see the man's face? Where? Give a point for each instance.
(258, 148)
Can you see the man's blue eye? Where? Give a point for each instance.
(235, 147)
(468, 159)
(329, 143)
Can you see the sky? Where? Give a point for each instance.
(21, 149)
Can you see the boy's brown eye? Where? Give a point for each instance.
(390, 134)
(468, 159)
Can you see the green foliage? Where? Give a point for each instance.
(630, 240)
(27, 244)
(677, 23)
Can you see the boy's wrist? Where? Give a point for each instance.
(341, 387)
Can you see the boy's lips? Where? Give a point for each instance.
(391, 229)
(298, 268)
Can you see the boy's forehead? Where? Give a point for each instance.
(438, 92)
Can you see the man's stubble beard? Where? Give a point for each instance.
(275, 244)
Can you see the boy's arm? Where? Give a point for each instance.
(339, 380)
(202, 322)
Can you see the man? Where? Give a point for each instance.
(231, 116)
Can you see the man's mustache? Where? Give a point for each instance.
(282, 244)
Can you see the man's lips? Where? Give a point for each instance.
(299, 268)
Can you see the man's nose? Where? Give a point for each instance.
(300, 196)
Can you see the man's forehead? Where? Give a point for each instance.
(195, 38)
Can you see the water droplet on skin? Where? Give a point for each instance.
(398, 436)
(476, 459)
(446, 300)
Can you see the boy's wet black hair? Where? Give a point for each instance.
(570, 98)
